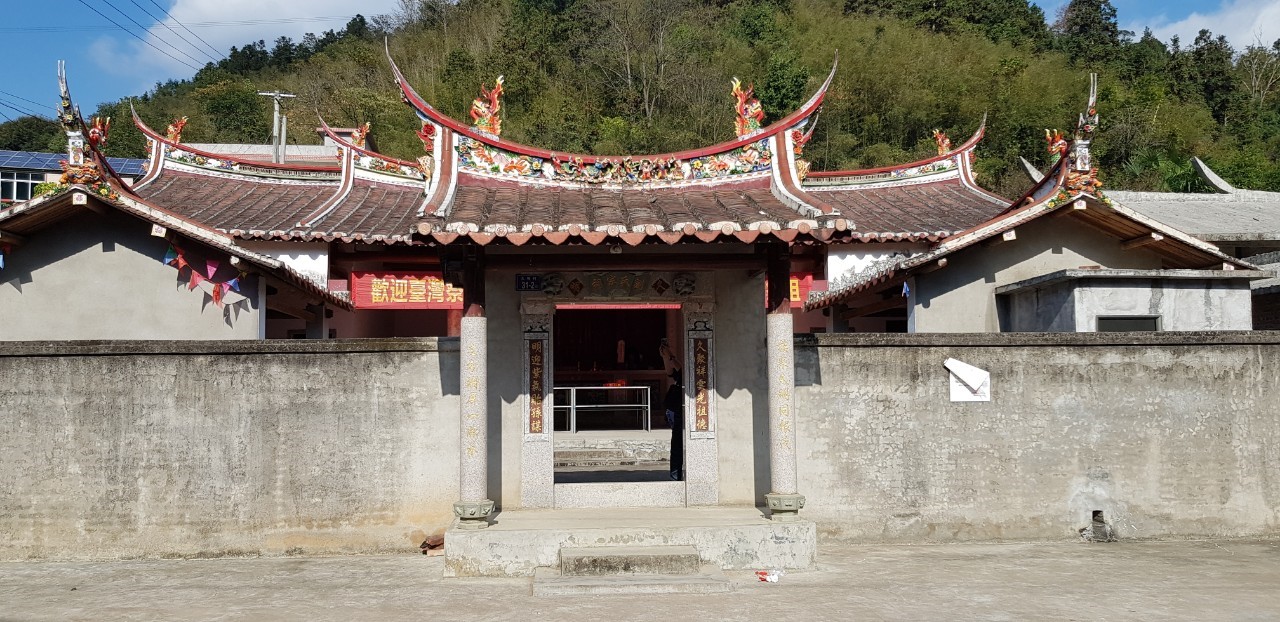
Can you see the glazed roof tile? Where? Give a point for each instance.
(489, 204)
(235, 203)
(374, 210)
(939, 207)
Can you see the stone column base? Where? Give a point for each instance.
(784, 507)
(473, 514)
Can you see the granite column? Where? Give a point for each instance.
(784, 501)
(474, 506)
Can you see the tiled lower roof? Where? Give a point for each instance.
(488, 205)
(380, 212)
(235, 204)
(928, 210)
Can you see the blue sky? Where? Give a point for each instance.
(105, 63)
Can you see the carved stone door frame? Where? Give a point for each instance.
(695, 294)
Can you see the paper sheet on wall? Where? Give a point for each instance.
(968, 383)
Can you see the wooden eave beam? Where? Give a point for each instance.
(937, 265)
(626, 261)
(875, 307)
(8, 237)
(426, 257)
(1142, 240)
(1007, 236)
(1077, 206)
(292, 310)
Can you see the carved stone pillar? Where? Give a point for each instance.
(784, 501)
(474, 506)
(537, 459)
(701, 452)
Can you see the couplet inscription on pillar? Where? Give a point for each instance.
(537, 362)
(702, 384)
(473, 392)
(700, 369)
(536, 321)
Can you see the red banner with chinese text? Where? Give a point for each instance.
(403, 290)
(801, 283)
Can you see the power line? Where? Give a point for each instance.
(21, 111)
(163, 22)
(145, 30)
(217, 24)
(19, 97)
(135, 36)
(10, 103)
(184, 27)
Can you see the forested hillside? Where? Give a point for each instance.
(632, 76)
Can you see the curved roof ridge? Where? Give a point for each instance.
(427, 111)
(966, 146)
(343, 142)
(281, 167)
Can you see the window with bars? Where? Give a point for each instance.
(16, 186)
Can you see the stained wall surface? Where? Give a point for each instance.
(124, 449)
(1187, 305)
(211, 448)
(1169, 435)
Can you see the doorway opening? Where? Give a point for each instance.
(610, 381)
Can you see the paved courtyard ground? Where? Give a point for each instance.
(1227, 580)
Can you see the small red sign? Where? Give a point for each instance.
(403, 290)
(801, 283)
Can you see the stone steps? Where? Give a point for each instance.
(607, 560)
(629, 570)
(549, 582)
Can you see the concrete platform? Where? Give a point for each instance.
(709, 580)
(615, 560)
(731, 538)
(1166, 581)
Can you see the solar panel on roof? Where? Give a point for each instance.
(37, 161)
(30, 160)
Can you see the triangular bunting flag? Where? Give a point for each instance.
(195, 280)
(170, 256)
(181, 261)
(211, 267)
(233, 284)
(217, 295)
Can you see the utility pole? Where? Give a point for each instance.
(278, 125)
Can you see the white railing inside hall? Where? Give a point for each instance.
(631, 399)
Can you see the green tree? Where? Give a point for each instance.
(783, 89)
(29, 134)
(238, 113)
(1088, 33)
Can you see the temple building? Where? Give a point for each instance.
(562, 275)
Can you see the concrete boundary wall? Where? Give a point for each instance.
(209, 448)
(145, 449)
(1168, 434)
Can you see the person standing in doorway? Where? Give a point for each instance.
(673, 402)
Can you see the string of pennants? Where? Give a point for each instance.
(223, 293)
